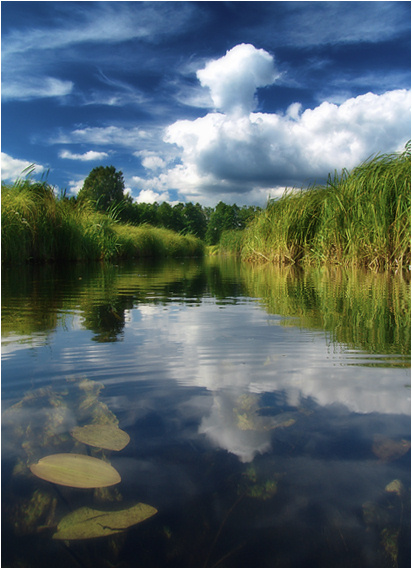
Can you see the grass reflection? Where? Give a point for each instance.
(361, 309)
(357, 307)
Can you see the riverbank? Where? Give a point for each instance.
(360, 218)
(38, 227)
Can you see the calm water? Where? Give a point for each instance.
(268, 412)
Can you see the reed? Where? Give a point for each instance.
(231, 242)
(359, 218)
(38, 227)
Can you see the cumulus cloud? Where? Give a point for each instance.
(153, 163)
(150, 196)
(13, 168)
(90, 155)
(234, 78)
(74, 187)
(150, 160)
(231, 154)
(238, 154)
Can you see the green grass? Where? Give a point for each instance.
(231, 241)
(359, 218)
(38, 227)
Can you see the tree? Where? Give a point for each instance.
(223, 218)
(195, 220)
(103, 187)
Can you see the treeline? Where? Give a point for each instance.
(104, 223)
(104, 189)
(360, 218)
(207, 223)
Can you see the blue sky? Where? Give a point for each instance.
(202, 101)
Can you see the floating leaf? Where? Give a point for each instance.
(102, 436)
(76, 470)
(387, 449)
(86, 523)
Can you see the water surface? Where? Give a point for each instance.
(268, 411)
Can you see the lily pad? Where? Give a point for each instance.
(76, 470)
(102, 436)
(86, 523)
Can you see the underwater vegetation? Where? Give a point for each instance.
(58, 430)
(41, 422)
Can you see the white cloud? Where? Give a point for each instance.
(150, 160)
(74, 187)
(35, 87)
(107, 135)
(150, 196)
(90, 155)
(153, 163)
(114, 23)
(27, 53)
(13, 168)
(320, 23)
(241, 156)
(234, 78)
(229, 155)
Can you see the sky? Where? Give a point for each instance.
(202, 101)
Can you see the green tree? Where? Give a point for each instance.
(104, 187)
(224, 217)
(195, 220)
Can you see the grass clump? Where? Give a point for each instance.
(39, 227)
(359, 218)
(231, 241)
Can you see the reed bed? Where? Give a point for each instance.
(359, 218)
(38, 227)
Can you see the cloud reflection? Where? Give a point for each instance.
(240, 350)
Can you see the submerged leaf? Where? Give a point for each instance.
(76, 470)
(86, 523)
(395, 486)
(387, 449)
(263, 491)
(102, 436)
(389, 540)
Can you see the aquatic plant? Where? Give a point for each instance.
(72, 469)
(387, 449)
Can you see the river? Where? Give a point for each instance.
(268, 411)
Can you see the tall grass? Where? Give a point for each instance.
(231, 241)
(36, 226)
(358, 218)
